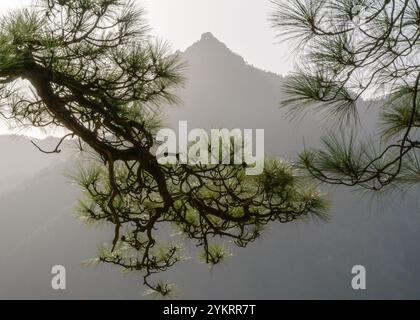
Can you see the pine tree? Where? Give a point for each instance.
(90, 67)
(350, 50)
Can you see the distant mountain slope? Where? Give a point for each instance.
(222, 91)
(39, 229)
(301, 260)
(20, 159)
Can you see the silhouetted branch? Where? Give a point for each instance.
(57, 148)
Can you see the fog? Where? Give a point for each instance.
(38, 227)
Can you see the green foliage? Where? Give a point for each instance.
(396, 114)
(349, 50)
(214, 254)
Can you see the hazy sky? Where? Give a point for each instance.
(241, 24)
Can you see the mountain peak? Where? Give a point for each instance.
(213, 49)
(207, 36)
(208, 39)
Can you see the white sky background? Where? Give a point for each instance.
(241, 24)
